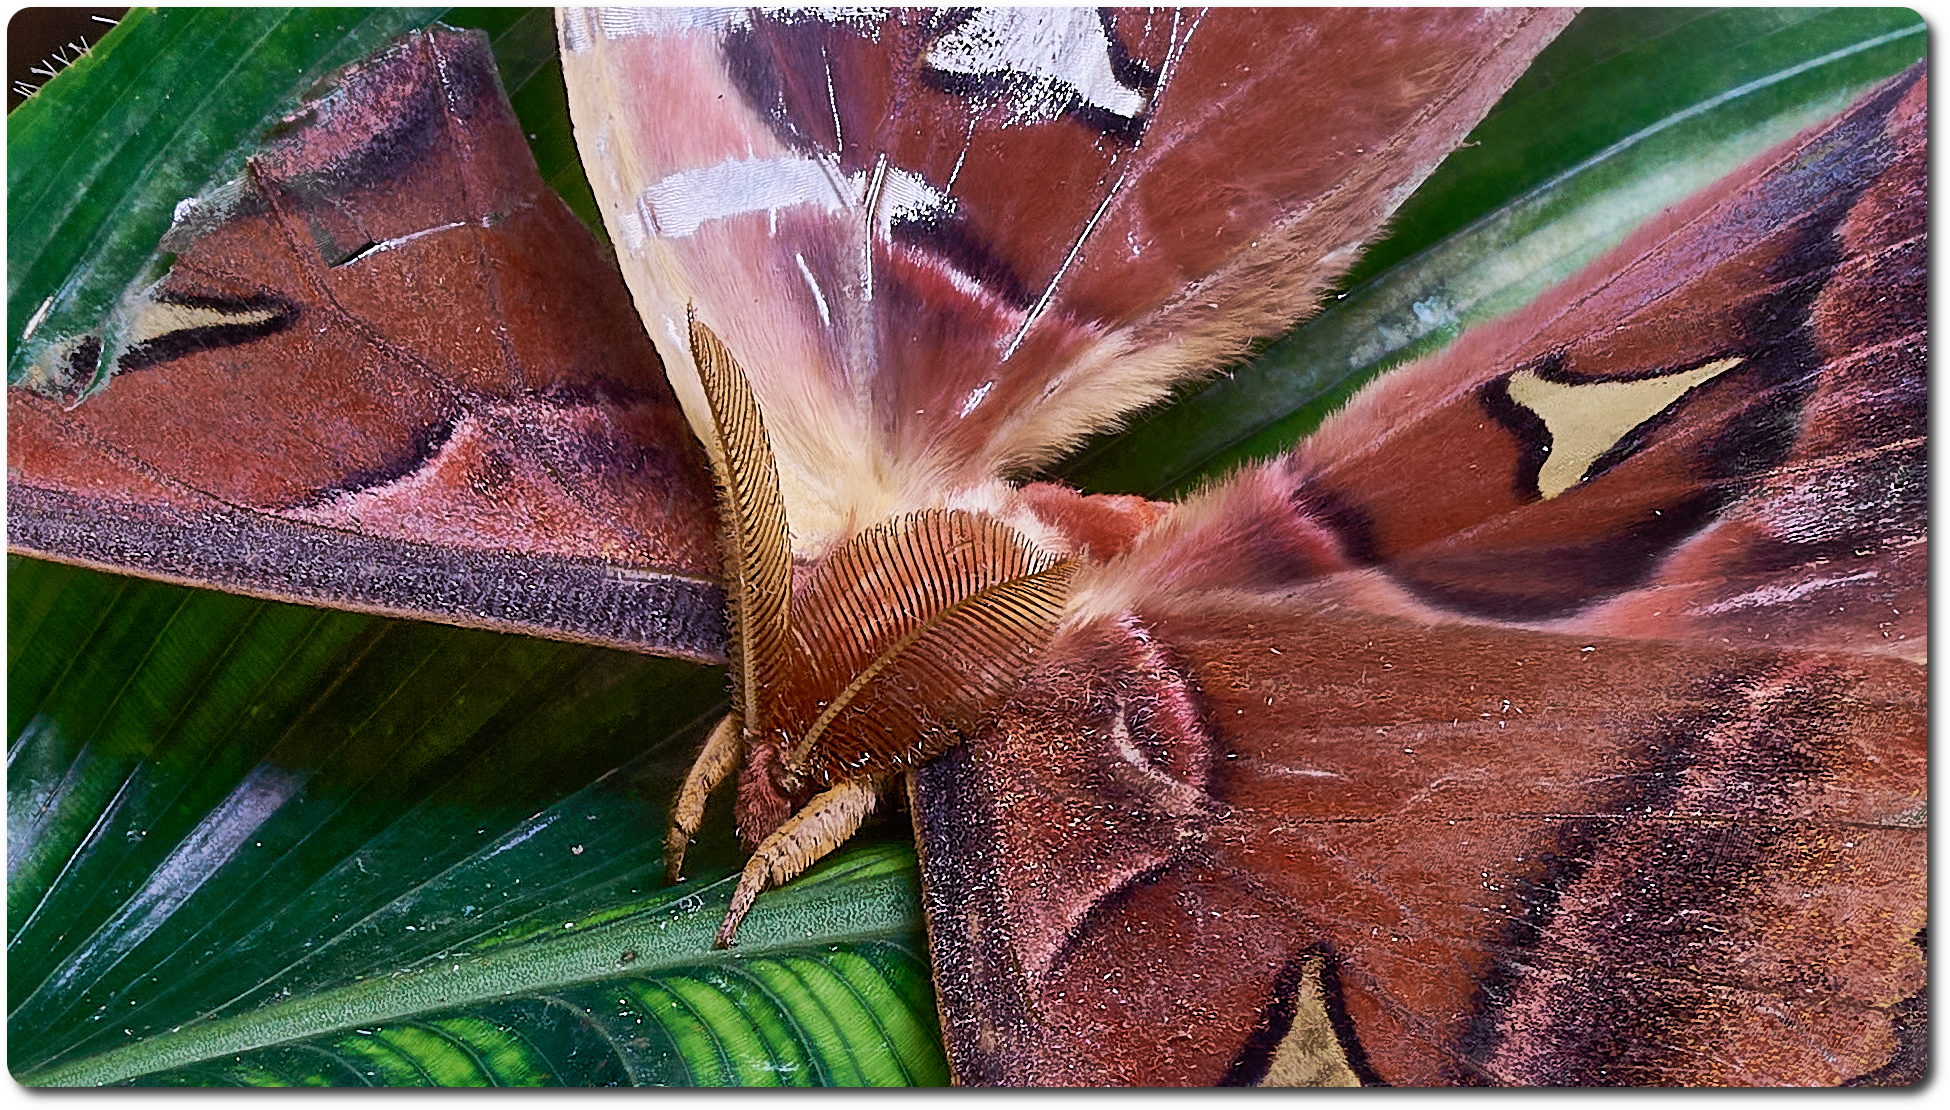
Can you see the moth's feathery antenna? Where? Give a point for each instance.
(757, 579)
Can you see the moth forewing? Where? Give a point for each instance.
(1445, 710)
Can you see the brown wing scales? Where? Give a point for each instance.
(1590, 774)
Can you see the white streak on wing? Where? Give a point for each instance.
(608, 162)
(874, 187)
(1061, 55)
(851, 188)
(624, 23)
(401, 240)
(1303, 772)
(975, 397)
(582, 26)
(908, 196)
(367, 251)
(688, 199)
(1049, 291)
(633, 218)
(677, 205)
(866, 21)
(1780, 595)
(576, 36)
(1175, 52)
(1179, 795)
(675, 335)
(833, 102)
(870, 196)
(1172, 55)
(812, 283)
(636, 223)
(966, 142)
(968, 284)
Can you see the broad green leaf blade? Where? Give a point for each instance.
(1627, 112)
(242, 827)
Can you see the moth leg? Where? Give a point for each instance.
(722, 751)
(820, 826)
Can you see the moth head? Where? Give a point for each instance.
(898, 642)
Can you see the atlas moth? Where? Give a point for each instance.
(1553, 715)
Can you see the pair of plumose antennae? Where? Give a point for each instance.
(902, 640)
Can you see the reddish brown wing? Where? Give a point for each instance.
(1364, 734)
(947, 244)
(1512, 873)
(388, 370)
(1715, 436)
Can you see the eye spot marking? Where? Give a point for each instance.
(1582, 421)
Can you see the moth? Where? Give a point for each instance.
(1169, 831)
(1640, 654)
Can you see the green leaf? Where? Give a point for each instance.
(260, 842)
(253, 843)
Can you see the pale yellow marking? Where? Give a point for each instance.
(1310, 1055)
(1586, 419)
(152, 320)
(157, 319)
